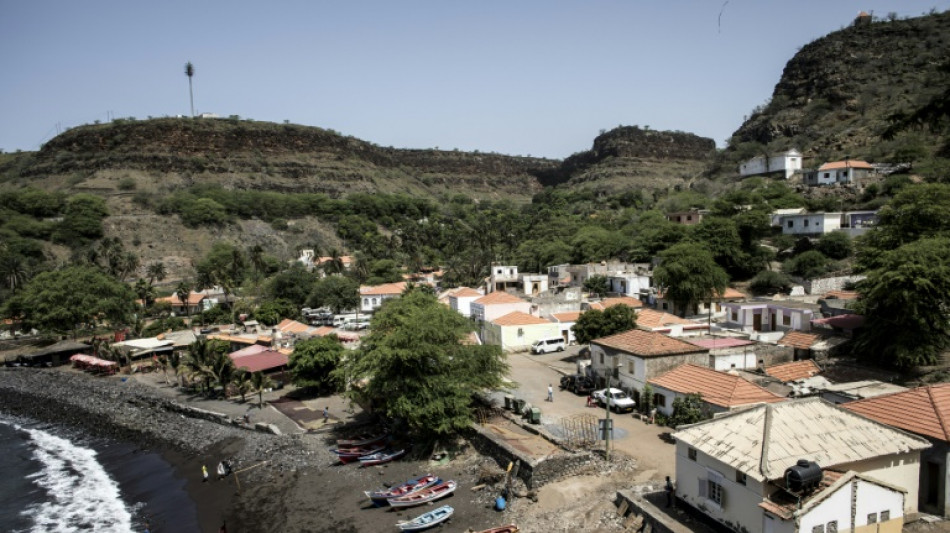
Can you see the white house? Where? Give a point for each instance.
(721, 392)
(776, 216)
(516, 331)
(534, 284)
(502, 278)
(811, 223)
(461, 300)
(838, 172)
(787, 162)
(728, 466)
(672, 325)
(847, 501)
(762, 316)
(565, 322)
(629, 283)
(496, 304)
(373, 296)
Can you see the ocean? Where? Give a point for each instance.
(61, 481)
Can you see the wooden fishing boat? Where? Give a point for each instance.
(427, 520)
(380, 497)
(430, 494)
(363, 439)
(379, 458)
(348, 455)
(510, 528)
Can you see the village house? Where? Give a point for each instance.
(720, 392)
(787, 163)
(602, 305)
(776, 216)
(838, 172)
(672, 325)
(516, 331)
(687, 218)
(853, 223)
(256, 358)
(502, 278)
(793, 371)
(699, 308)
(497, 304)
(194, 305)
(629, 283)
(560, 276)
(733, 468)
(461, 300)
(924, 411)
(767, 316)
(735, 353)
(373, 296)
(637, 356)
(565, 322)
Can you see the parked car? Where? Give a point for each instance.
(578, 384)
(548, 345)
(618, 400)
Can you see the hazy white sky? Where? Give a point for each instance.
(515, 77)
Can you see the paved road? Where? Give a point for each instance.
(533, 373)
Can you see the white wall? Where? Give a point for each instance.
(462, 304)
(628, 284)
(874, 498)
(738, 361)
(900, 470)
(835, 507)
(812, 224)
(511, 341)
(788, 162)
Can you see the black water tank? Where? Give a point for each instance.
(803, 476)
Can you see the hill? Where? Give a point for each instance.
(837, 93)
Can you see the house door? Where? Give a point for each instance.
(757, 322)
(772, 321)
(932, 487)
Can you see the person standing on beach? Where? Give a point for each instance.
(204, 473)
(550, 393)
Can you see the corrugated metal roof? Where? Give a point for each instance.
(265, 360)
(763, 441)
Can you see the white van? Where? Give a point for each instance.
(355, 324)
(548, 345)
(340, 320)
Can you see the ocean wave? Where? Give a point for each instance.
(81, 494)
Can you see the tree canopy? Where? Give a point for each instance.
(336, 292)
(594, 323)
(688, 274)
(417, 368)
(314, 361)
(68, 299)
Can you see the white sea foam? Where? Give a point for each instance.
(81, 495)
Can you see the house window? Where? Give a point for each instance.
(735, 316)
(872, 518)
(786, 320)
(689, 217)
(885, 516)
(601, 357)
(806, 222)
(818, 529)
(630, 369)
(741, 477)
(521, 332)
(374, 302)
(791, 223)
(714, 492)
(664, 306)
(659, 400)
(365, 302)
(832, 527)
(691, 453)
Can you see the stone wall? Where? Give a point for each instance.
(823, 285)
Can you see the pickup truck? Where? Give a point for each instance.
(578, 384)
(618, 400)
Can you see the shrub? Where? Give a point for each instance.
(127, 184)
(811, 264)
(770, 282)
(836, 245)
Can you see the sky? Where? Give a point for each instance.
(527, 77)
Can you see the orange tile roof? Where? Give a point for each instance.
(842, 295)
(924, 410)
(465, 292)
(717, 388)
(793, 371)
(652, 319)
(498, 297)
(648, 344)
(728, 294)
(292, 326)
(610, 302)
(194, 298)
(323, 331)
(517, 318)
(384, 289)
(850, 163)
(798, 339)
(570, 316)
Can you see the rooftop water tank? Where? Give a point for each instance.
(804, 476)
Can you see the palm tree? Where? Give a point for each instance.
(199, 361)
(145, 291)
(222, 368)
(333, 265)
(183, 291)
(255, 255)
(242, 382)
(190, 72)
(155, 272)
(14, 271)
(260, 382)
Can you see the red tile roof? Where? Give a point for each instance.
(798, 339)
(720, 342)
(465, 292)
(570, 316)
(717, 388)
(517, 318)
(384, 289)
(850, 163)
(499, 297)
(194, 298)
(793, 371)
(610, 302)
(653, 319)
(924, 410)
(292, 326)
(266, 360)
(323, 331)
(648, 344)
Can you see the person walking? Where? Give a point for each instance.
(326, 414)
(550, 393)
(204, 473)
(590, 399)
(670, 491)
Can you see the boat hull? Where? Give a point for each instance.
(427, 520)
(430, 494)
(381, 497)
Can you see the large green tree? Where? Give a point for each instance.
(75, 297)
(688, 274)
(313, 363)
(294, 284)
(417, 367)
(906, 302)
(594, 324)
(336, 292)
(917, 211)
